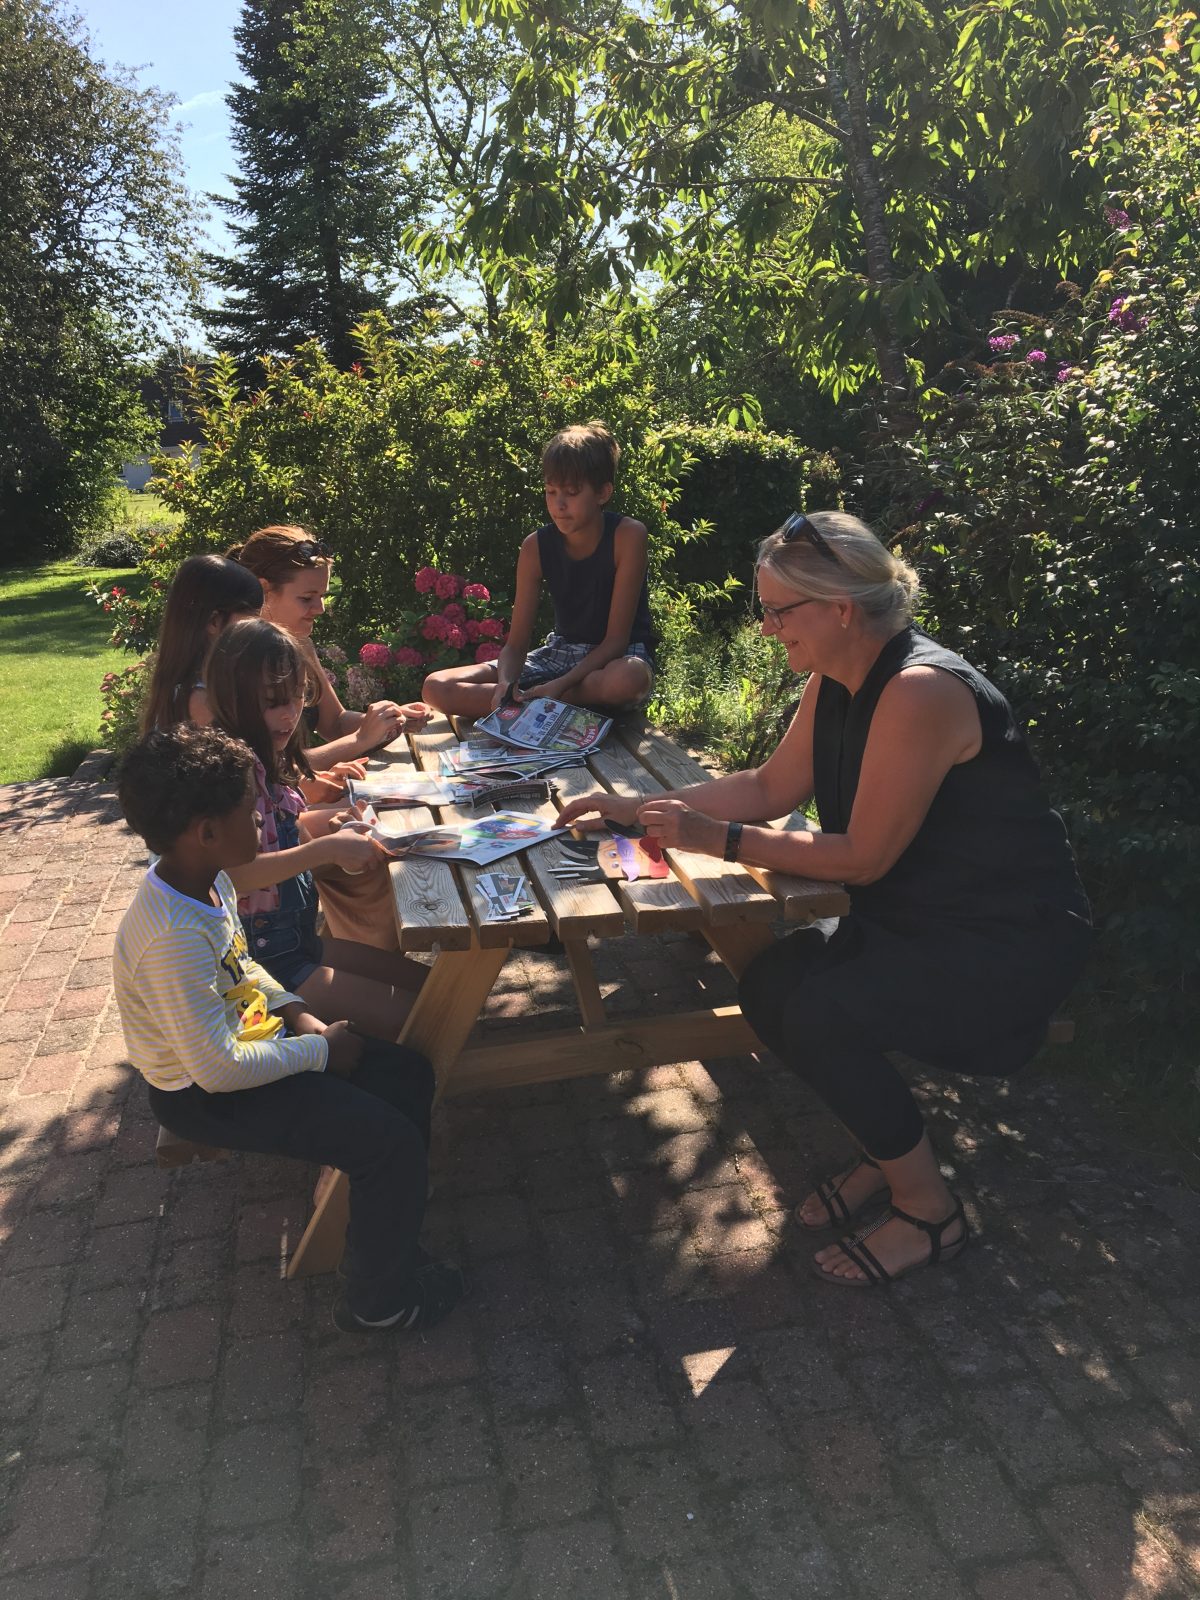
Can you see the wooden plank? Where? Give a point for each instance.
(725, 890)
(800, 899)
(569, 1053)
(574, 910)
(587, 990)
(429, 906)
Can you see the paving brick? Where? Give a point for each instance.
(350, 1510)
(448, 1356)
(261, 1378)
(60, 1583)
(129, 1196)
(899, 1559)
(82, 1411)
(57, 1516)
(51, 1074)
(448, 1435)
(261, 1302)
(99, 1326)
(45, 1239)
(70, 1180)
(844, 1467)
(254, 1475)
(260, 1565)
(526, 1372)
(1030, 1580)
(23, 1364)
(577, 1561)
(120, 1255)
(195, 1269)
(151, 1546)
(178, 1346)
(548, 1463)
(165, 1435)
(494, 1225)
(722, 1220)
(459, 1552)
(658, 1497)
(33, 1301)
(972, 1508)
(1094, 1526)
(1173, 1377)
(625, 1402)
(1031, 1434)
(1147, 1450)
(33, 994)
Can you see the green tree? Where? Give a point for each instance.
(925, 143)
(94, 251)
(317, 204)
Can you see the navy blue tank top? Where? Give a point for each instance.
(582, 590)
(990, 848)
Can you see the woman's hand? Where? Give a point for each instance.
(345, 1048)
(382, 722)
(602, 805)
(675, 824)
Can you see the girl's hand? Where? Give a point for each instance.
(382, 722)
(340, 771)
(672, 822)
(602, 805)
(543, 691)
(299, 1020)
(502, 689)
(352, 851)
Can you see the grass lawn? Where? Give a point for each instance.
(54, 651)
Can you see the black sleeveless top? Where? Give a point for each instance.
(582, 590)
(990, 849)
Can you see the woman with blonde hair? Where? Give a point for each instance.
(967, 926)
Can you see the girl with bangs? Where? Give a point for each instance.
(258, 684)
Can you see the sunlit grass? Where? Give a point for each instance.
(54, 650)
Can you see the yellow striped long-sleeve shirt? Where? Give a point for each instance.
(194, 1007)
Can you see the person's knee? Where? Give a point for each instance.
(434, 690)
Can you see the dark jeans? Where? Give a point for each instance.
(373, 1126)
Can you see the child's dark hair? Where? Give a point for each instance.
(204, 588)
(173, 777)
(584, 453)
(246, 659)
(278, 553)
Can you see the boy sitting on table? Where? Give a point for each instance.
(593, 561)
(234, 1060)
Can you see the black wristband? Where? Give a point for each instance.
(733, 841)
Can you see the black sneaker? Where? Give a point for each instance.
(432, 1295)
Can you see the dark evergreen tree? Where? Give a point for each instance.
(316, 208)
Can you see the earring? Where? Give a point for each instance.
(845, 624)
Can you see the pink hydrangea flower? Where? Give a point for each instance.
(455, 636)
(446, 586)
(476, 591)
(487, 652)
(434, 627)
(474, 631)
(425, 580)
(406, 656)
(491, 628)
(455, 613)
(375, 655)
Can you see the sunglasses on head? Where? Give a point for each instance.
(312, 550)
(798, 526)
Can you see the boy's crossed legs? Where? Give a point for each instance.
(618, 685)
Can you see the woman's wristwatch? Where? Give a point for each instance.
(733, 841)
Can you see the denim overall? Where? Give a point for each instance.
(285, 940)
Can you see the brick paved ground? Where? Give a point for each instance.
(645, 1394)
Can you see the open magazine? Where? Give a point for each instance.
(402, 789)
(546, 725)
(481, 842)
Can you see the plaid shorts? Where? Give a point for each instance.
(558, 655)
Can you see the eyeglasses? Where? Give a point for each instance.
(312, 550)
(798, 526)
(775, 614)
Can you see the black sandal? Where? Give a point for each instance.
(837, 1211)
(854, 1249)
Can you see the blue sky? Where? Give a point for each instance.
(188, 52)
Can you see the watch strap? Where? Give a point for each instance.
(733, 841)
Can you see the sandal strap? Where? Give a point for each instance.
(829, 1194)
(855, 1250)
(935, 1230)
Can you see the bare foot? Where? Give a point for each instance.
(896, 1245)
(854, 1187)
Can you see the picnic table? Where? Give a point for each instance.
(440, 910)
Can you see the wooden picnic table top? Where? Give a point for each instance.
(438, 903)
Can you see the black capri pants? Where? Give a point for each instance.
(976, 1001)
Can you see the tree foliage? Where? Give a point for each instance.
(318, 201)
(94, 251)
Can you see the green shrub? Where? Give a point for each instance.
(115, 547)
(736, 487)
(121, 694)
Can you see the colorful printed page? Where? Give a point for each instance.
(481, 842)
(547, 725)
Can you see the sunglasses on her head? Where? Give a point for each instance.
(312, 550)
(798, 526)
